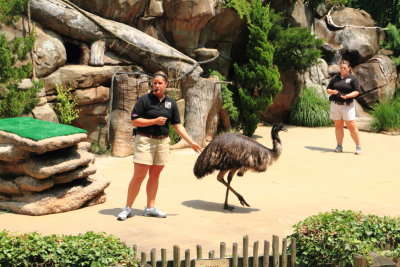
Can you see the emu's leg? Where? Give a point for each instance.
(228, 187)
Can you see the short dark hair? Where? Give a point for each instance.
(161, 74)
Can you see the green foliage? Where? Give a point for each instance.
(88, 249)
(392, 42)
(227, 97)
(383, 12)
(66, 104)
(258, 79)
(242, 7)
(173, 135)
(296, 49)
(386, 115)
(10, 10)
(16, 102)
(13, 101)
(335, 237)
(310, 110)
(97, 148)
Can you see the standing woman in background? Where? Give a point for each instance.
(343, 88)
(152, 115)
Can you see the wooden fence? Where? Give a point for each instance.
(275, 259)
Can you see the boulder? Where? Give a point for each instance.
(349, 33)
(63, 198)
(50, 52)
(378, 78)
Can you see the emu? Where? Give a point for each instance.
(235, 153)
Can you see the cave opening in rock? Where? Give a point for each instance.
(74, 53)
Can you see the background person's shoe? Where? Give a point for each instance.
(154, 212)
(338, 149)
(358, 150)
(125, 213)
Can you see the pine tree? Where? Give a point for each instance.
(258, 79)
(15, 102)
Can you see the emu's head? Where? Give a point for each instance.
(276, 128)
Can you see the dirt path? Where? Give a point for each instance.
(306, 180)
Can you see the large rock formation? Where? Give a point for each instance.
(46, 174)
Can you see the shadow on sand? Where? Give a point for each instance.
(115, 211)
(212, 206)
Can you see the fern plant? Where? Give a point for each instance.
(66, 104)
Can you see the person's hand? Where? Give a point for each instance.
(161, 120)
(197, 148)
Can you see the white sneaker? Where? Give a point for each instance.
(358, 150)
(125, 213)
(154, 212)
(338, 149)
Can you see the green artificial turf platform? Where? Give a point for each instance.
(37, 129)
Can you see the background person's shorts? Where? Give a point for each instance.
(343, 112)
(151, 151)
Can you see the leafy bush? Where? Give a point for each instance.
(89, 249)
(335, 237)
(310, 110)
(386, 115)
(13, 101)
(66, 104)
(97, 148)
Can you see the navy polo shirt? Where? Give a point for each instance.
(150, 107)
(344, 86)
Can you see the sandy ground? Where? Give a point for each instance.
(308, 179)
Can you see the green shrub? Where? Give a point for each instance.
(310, 110)
(335, 237)
(66, 104)
(386, 115)
(89, 249)
(97, 148)
(173, 135)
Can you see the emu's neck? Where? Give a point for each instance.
(277, 147)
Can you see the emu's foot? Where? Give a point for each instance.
(227, 207)
(242, 201)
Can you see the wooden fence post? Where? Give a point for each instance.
(246, 251)
(199, 252)
(187, 258)
(359, 261)
(176, 256)
(275, 251)
(164, 260)
(235, 255)
(293, 252)
(266, 254)
(284, 254)
(255, 254)
(153, 257)
(222, 250)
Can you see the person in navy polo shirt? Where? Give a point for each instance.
(343, 88)
(152, 115)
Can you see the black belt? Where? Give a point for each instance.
(343, 103)
(153, 136)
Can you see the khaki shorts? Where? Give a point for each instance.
(343, 112)
(151, 151)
